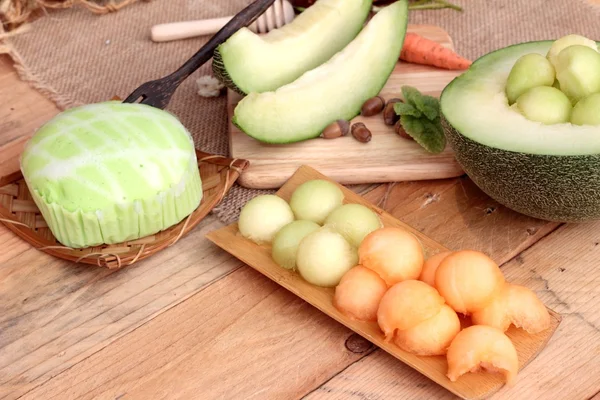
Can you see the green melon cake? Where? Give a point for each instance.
(110, 172)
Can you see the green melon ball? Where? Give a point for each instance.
(263, 216)
(324, 257)
(314, 200)
(566, 41)
(545, 104)
(578, 72)
(285, 242)
(587, 111)
(354, 222)
(529, 71)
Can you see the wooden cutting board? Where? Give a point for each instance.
(386, 158)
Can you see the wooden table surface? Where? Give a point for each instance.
(194, 322)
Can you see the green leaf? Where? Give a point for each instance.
(406, 109)
(428, 105)
(429, 134)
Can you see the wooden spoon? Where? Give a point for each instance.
(279, 14)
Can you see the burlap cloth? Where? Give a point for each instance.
(76, 57)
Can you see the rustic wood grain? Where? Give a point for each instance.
(244, 337)
(386, 158)
(456, 213)
(22, 109)
(53, 313)
(563, 270)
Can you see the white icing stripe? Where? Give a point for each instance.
(84, 123)
(63, 168)
(150, 179)
(155, 157)
(167, 167)
(117, 190)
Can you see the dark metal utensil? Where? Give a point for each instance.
(157, 93)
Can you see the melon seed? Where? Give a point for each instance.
(336, 129)
(372, 106)
(389, 115)
(401, 132)
(361, 133)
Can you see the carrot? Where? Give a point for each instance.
(420, 50)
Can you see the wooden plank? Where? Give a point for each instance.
(281, 342)
(562, 269)
(53, 313)
(22, 109)
(9, 162)
(457, 214)
(243, 337)
(385, 158)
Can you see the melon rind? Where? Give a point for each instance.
(249, 62)
(552, 188)
(334, 90)
(110, 172)
(546, 172)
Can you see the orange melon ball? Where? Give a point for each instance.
(468, 280)
(431, 337)
(517, 305)
(407, 304)
(394, 253)
(482, 347)
(430, 267)
(358, 294)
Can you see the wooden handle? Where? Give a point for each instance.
(187, 29)
(279, 14)
(157, 93)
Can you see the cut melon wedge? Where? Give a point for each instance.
(247, 62)
(334, 90)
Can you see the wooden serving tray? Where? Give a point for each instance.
(386, 158)
(470, 386)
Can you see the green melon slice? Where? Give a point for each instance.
(248, 62)
(550, 172)
(110, 172)
(334, 90)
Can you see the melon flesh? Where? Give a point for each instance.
(248, 62)
(475, 104)
(335, 90)
(550, 172)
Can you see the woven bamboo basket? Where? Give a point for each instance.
(19, 213)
